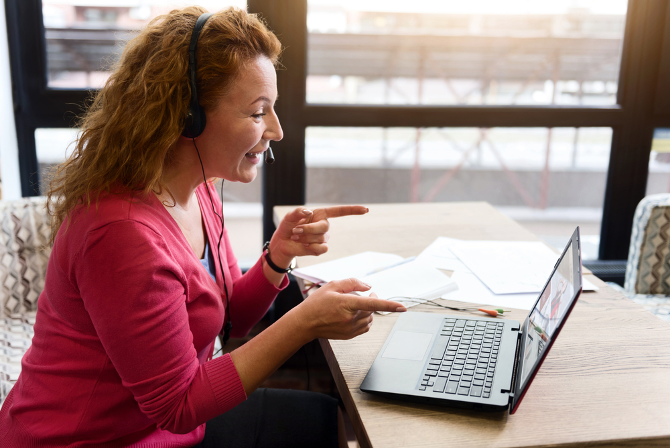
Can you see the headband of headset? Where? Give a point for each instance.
(195, 120)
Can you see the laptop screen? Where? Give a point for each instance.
(546, 318)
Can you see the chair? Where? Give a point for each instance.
(647, 280)
(24, 254)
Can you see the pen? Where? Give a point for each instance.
(406, 260)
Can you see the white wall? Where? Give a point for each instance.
(9, 150)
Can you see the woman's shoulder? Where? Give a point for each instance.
(132, 207)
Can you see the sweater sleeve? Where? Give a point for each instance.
(251, 299)
(134, 293)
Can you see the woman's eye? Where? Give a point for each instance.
(257, 116)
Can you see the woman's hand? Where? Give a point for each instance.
(305, 232)
(333, 313)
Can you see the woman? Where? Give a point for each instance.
(135, 292)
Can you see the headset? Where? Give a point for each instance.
(194, 126)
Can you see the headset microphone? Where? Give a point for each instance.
(269, 157)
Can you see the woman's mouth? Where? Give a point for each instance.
(254, 157)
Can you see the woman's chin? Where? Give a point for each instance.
(247, 176)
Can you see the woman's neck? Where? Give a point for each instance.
(181, 177)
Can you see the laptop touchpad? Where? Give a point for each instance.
(408, 345)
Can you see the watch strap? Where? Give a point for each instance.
(273, 266)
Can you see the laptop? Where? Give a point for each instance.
(476, 362)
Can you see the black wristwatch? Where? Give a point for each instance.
(266, 249)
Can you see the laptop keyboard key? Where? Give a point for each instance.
(440, 347)
(476, 391)
(463, 390)
(440, 383)
(478, 382)
(452, 387)
(486, 395)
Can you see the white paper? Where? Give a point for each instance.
(413, 280)
(438, 255)
(588, 286)
(356, 266)
(472, 290)
(508, 267)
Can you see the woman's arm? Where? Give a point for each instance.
(331, 313)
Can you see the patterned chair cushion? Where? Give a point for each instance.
(24, 254)
(648, 268)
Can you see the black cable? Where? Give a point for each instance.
(228, 325)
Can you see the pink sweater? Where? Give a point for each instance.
(125, 333)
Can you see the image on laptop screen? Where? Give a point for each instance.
(548, 313)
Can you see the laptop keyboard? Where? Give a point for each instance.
(464, 358)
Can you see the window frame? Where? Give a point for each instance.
(643, 103)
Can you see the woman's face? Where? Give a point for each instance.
(242, 124)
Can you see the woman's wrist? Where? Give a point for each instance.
(278, 258)
(300, 325)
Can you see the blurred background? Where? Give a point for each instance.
(370, 52)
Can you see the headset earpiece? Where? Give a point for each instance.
(195, 121)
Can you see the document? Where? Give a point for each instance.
(391, 276)
(356, 266)
(440, 256)
(473, 290)
(413, 280)
(507, 267)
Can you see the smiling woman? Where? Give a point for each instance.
(136, 291)
(241, 126)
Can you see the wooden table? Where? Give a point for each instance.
(606, 381)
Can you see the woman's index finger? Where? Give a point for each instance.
(344, 210)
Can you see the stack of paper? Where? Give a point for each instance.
(499, 273)
(391, 276)
(355, 266)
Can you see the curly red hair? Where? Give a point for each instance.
(134, 121)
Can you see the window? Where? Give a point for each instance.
(550, 180)
(478, 52)
(84, 39)
(659, 163)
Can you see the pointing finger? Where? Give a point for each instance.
(372, 304)
(347, 285)
(344, 210)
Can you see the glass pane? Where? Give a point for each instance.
(477, 52)
(84, 38)
(242, 208)
(550, 180)
(659, 163)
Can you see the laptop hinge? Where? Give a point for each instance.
(510, 390)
